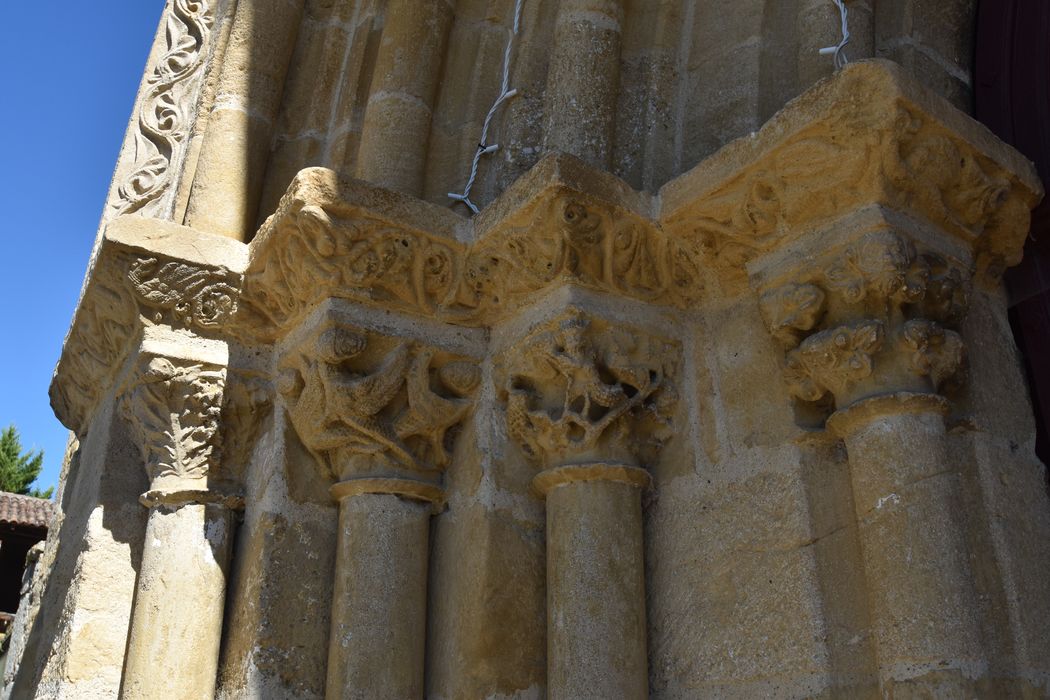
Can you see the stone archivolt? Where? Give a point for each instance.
(580, 391)
(166, 112)
(878, 300)
(369, 405)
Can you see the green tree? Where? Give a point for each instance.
(18, 470)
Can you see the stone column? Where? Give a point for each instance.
(882, 359)
(595, 562)
(377, 412)
(396, 125)
(227, 184)
(583, 82)
(591, 403)
(176, 624)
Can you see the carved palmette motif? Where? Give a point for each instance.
(575, 393)
(364, 403)
(165, 113)
(891, 290)
(173, 408)
(572, 240)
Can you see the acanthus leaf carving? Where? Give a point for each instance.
(883, 278)
(792, 310)
(934, 351)
(173, 408)
(575, 394)
(882, 265)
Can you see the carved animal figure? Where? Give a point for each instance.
(430, 415)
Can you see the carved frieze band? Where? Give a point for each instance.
(167, 108)
(371, 405)
(879, 297)
(173, 407)
(579, 390)
(363, 257)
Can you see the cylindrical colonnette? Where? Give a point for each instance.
(596, 630)
(378, 634)
(228, 181)
(396, 125)
(908, 503)
(583, 81)
(176, 622)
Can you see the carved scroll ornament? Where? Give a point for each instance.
(312, 254)
(167, 108)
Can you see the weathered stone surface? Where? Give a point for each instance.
(757, 430)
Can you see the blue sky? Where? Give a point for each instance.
(74, 68)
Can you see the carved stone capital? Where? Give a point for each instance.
(869, 318)
(145, 273)
(371, 405)
(580, 390)
(173, 407)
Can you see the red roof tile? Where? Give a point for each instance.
(24, 510)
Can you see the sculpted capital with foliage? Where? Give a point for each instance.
(579, 391)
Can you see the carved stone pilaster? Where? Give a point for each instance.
(870, 319)
(173, 407)
(580, 390)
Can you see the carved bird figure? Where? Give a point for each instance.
(430, 415)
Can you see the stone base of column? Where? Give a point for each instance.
(378, 635)
(596, 633)
(176, 623)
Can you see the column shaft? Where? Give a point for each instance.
(376, 648)
(176, 622)
(906, 494)
(228, 181)
(397, 119)
(595, 592)
(584, 80)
